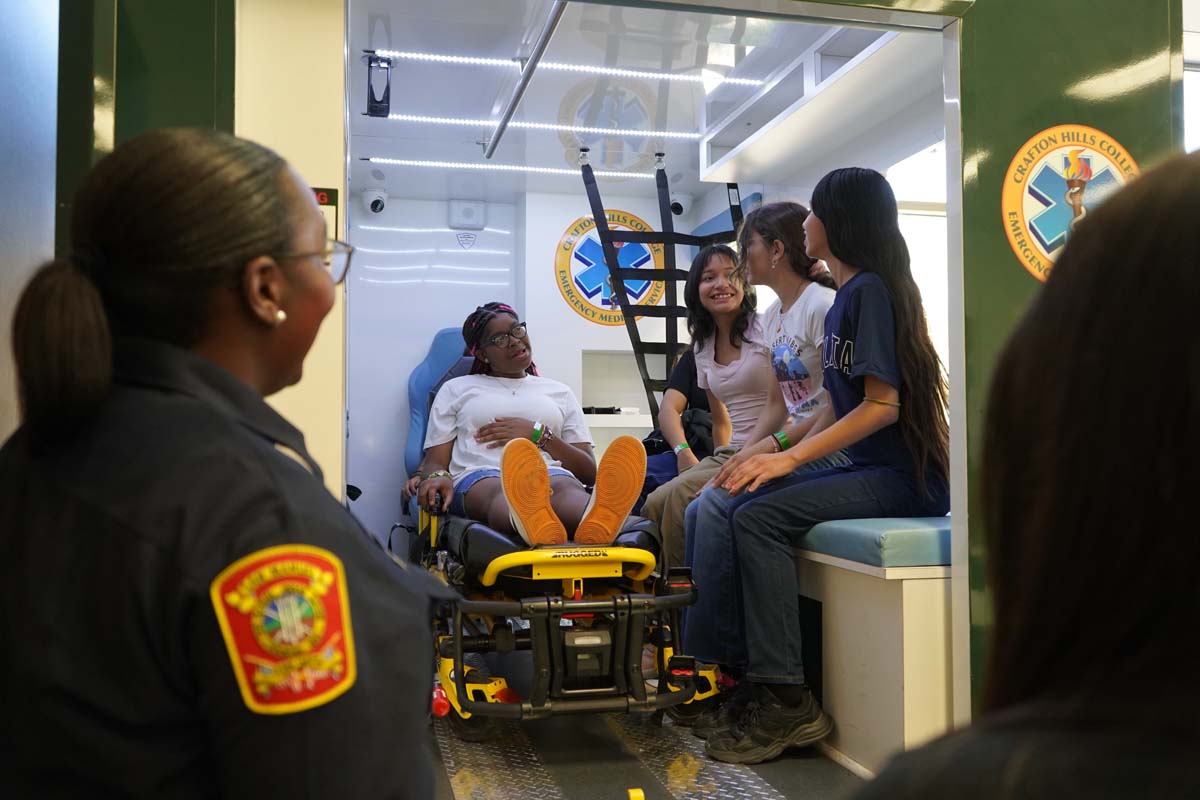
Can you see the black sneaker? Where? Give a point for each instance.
(769, 728)
(727, 713)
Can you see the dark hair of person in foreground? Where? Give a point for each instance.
(1089, 481)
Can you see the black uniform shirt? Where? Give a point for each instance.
(116, 677)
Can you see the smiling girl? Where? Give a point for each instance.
(511, 449)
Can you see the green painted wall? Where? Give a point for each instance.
(1028, 65)
(174, 65)
(126, 66)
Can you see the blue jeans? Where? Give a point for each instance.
(767, 528)
(714, 631)
(458, 503)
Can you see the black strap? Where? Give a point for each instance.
(670, 275)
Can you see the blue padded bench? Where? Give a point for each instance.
(915, 542)
(883, 589)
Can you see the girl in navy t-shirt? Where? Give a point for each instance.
(888, 413)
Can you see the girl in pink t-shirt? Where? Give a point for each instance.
(733, 366)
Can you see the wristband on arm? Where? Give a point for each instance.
(782, 439)
(538, 429)
(679, 448)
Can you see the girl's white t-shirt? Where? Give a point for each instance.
(795, 340)
(742, 384)
(464, 405)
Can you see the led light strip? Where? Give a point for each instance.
(404, 162)
(419, 267)
(422, 230)
(542, 126)
(559, 66)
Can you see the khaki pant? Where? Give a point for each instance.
(666, 504)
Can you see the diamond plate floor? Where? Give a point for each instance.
(600, 757)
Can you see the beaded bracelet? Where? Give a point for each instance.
(547, 436)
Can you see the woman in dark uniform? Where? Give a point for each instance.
(187, 612)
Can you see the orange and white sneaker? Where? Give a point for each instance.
(619, 480)
(526, 483)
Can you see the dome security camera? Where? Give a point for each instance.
(375, 200)
(681, 204)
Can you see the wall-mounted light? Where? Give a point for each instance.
(542, 126)
(489, 167)
(559, 66)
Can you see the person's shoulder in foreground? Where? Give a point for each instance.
(1036, 753)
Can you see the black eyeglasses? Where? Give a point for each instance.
(336, 257)
(517, 332)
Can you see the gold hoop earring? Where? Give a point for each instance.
(280, 317)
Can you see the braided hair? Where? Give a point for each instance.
(475, 327)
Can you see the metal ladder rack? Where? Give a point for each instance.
(672, 311)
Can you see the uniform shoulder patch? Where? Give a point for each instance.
(285, 615)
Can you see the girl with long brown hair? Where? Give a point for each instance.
(888, 413)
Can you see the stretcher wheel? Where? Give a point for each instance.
(475, 728)
(686, 713)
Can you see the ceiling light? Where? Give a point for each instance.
(437, 280)
(558, 66)
(394, 252)
(421, 230)
(404, 162)
(543, 126)
(641, 73)
(468, 60)
(416, 267)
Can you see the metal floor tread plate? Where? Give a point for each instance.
(600, 757)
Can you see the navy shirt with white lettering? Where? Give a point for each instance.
(860, 340)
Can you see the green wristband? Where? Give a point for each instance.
(537, 432)
(782, 438)
(679, 448)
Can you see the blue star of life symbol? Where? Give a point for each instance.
(1052, 225)
(617, 108)
(593, 279)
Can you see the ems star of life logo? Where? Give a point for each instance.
(582, 276)
(1057, 178)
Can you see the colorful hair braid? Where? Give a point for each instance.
(474, 328)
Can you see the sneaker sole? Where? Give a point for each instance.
(803, 736)
(526, 484)
(619, 480)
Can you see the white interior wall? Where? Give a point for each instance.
(29, 64)
(560, 335)
(405, 285)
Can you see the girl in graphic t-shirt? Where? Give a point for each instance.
(733, 367)
(510, 448)
(772, 253)
(888, 412)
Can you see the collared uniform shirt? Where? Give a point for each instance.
(138, 661)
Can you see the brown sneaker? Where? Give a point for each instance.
(619, 480)
(526, 484)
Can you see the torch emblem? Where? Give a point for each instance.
(1057, 178)
(1077, 173)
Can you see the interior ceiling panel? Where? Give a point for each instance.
(698, 45)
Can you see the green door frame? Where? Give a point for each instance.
(127, 66)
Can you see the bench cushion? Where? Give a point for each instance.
(899, 542)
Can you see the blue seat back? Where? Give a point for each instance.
(445, 353)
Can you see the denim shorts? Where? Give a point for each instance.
(458, 502)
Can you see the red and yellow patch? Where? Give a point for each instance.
(285, 616)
